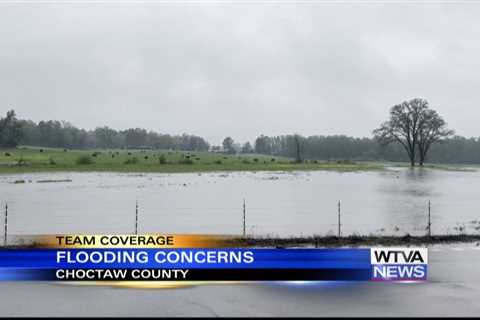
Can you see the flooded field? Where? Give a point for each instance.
(390, 202)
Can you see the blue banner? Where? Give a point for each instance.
(186, 258)
(213, 264)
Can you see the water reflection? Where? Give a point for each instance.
(284, 203)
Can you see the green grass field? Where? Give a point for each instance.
(33, 159)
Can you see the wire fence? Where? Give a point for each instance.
(242, 220)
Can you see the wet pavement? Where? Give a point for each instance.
(453, 289)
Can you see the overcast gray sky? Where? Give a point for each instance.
(239, 69)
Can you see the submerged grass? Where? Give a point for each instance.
(439, 166)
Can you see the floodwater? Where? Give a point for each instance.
(394, 201)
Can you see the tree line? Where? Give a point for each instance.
(456, 149)
(61, 134)
(414, 132)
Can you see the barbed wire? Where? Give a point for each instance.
(263, 220)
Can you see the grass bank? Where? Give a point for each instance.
(333, 241)
(30, 159)
(353, 241)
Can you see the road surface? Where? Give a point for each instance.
(453, 289)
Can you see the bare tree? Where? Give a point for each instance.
(298, 150)
(433, 129)
(404, 125)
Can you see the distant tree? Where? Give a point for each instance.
(162, 141)
(298, 147)
(404, 125)
(247, 148)
(104, 137)
(30, 133)
(215, 149)
(237, 147)
(228, 145)
(190, 143)
(50, 133)
(263, 144)
(433, 129)
(135, 138)
(10, 130)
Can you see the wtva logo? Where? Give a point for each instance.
(399, 264)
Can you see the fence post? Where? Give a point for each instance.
(244, 224)
(429, 220)
(136, 217)
(6, 224)
(339, 221)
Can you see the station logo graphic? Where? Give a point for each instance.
(399, 264)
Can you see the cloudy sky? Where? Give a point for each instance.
(239, 69)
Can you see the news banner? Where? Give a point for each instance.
(190, 258)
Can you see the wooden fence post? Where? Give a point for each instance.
(136, 217)
(244, 223)
(6, 224)
(429, 220)
(339, 221)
